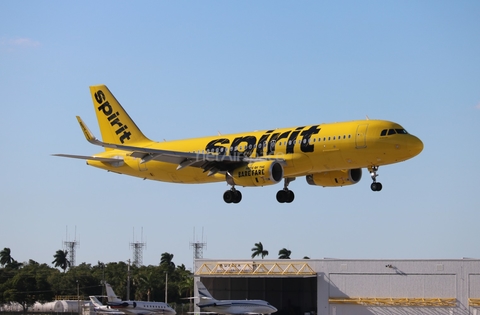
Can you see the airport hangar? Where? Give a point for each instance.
(341, 286)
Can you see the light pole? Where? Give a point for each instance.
(78, 298)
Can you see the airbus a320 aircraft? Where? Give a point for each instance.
(326, 155)
(208, 304)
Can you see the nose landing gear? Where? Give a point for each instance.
(375, 186)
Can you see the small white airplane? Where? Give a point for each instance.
(103, 309)
(208, 304)
(137, 307)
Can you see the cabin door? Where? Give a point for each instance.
(361, 136)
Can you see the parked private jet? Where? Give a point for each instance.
(137, 307)
(233, 307)
(103, 309)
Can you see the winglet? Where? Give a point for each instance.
(86, 132)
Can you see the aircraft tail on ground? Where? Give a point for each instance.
(203, 294)
(115, 124)
(95, 301)
(112, 297)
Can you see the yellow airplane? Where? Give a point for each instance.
(327, 155)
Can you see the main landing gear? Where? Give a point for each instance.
(286, 195)
(375, 186)
(283, 196)
(232, 196)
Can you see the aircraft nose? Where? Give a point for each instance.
(415, 145)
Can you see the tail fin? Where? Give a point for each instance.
(115, 125)
(95, 301)
(203, 293)
(112, 297)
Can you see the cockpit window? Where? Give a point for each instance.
(393, 132)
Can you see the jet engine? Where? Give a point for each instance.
(256, 174)
(335, 178)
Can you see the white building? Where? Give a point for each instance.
(340, 286)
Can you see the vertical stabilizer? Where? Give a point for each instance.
(203, 294)
(115, 124)
(112, 297)
(96, 302)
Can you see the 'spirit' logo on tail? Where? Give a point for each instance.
(106, 108)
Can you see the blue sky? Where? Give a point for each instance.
(189, 69)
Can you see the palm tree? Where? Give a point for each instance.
(5, 257)
(284, 253)
(61, 259)
(259, 251)
(166, 259)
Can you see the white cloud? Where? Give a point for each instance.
(18, 43)
(24, 42)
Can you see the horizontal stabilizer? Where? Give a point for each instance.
(86, 157)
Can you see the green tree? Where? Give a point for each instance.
(166, 260)
(28, 285)
(116, 275)
(61, 260)
(284, 253)
(259, 251)
(5, 257)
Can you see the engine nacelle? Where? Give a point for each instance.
(335, 178)
(256, 174)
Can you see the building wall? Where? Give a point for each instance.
(366, 287)
(434, 281)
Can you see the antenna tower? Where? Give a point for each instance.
(197, 248)
(137, 250)
(70, 247)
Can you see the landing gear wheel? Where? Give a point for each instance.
(285, 196)
(232, 196)
(376, 186)
(228, 196)
(290, 196)
(237, 196)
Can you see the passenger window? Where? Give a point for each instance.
(391, 131)
(384, 132)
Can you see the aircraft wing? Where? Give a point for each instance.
(207, 161)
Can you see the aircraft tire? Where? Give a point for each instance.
(237, 196)
(285, 196)
(290, 196)
(376, 186)
(281, 196)
(228, 196)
